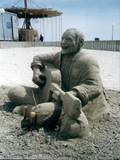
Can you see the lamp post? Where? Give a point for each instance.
(113, 28)
(112, 32)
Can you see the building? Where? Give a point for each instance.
(9, 26)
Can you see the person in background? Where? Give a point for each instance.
(41, 38)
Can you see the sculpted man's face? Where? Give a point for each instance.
(68, 43)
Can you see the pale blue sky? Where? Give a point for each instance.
(93, 17)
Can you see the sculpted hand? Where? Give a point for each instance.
(71, 105)
(38, 77)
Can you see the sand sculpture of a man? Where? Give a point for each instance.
(76, 94)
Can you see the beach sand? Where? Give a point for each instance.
(102, 144)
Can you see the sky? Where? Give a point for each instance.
(95, 18)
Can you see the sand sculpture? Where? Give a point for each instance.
(70, 92)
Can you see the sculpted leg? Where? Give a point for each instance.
(45, 115)
(23, 95)
(74, 122)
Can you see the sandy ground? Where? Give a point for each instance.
(104, 142)
(15, 64)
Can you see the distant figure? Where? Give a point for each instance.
(41, 38)
(97, 39)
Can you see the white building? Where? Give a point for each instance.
(9, 26)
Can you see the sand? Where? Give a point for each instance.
(102, 144)
(15, 65)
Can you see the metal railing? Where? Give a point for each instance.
(97, 45)
(103, 45)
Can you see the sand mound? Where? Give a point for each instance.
(103, 144)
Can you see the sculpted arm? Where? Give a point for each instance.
(90, 85)
(38, 67)
(42, 59)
